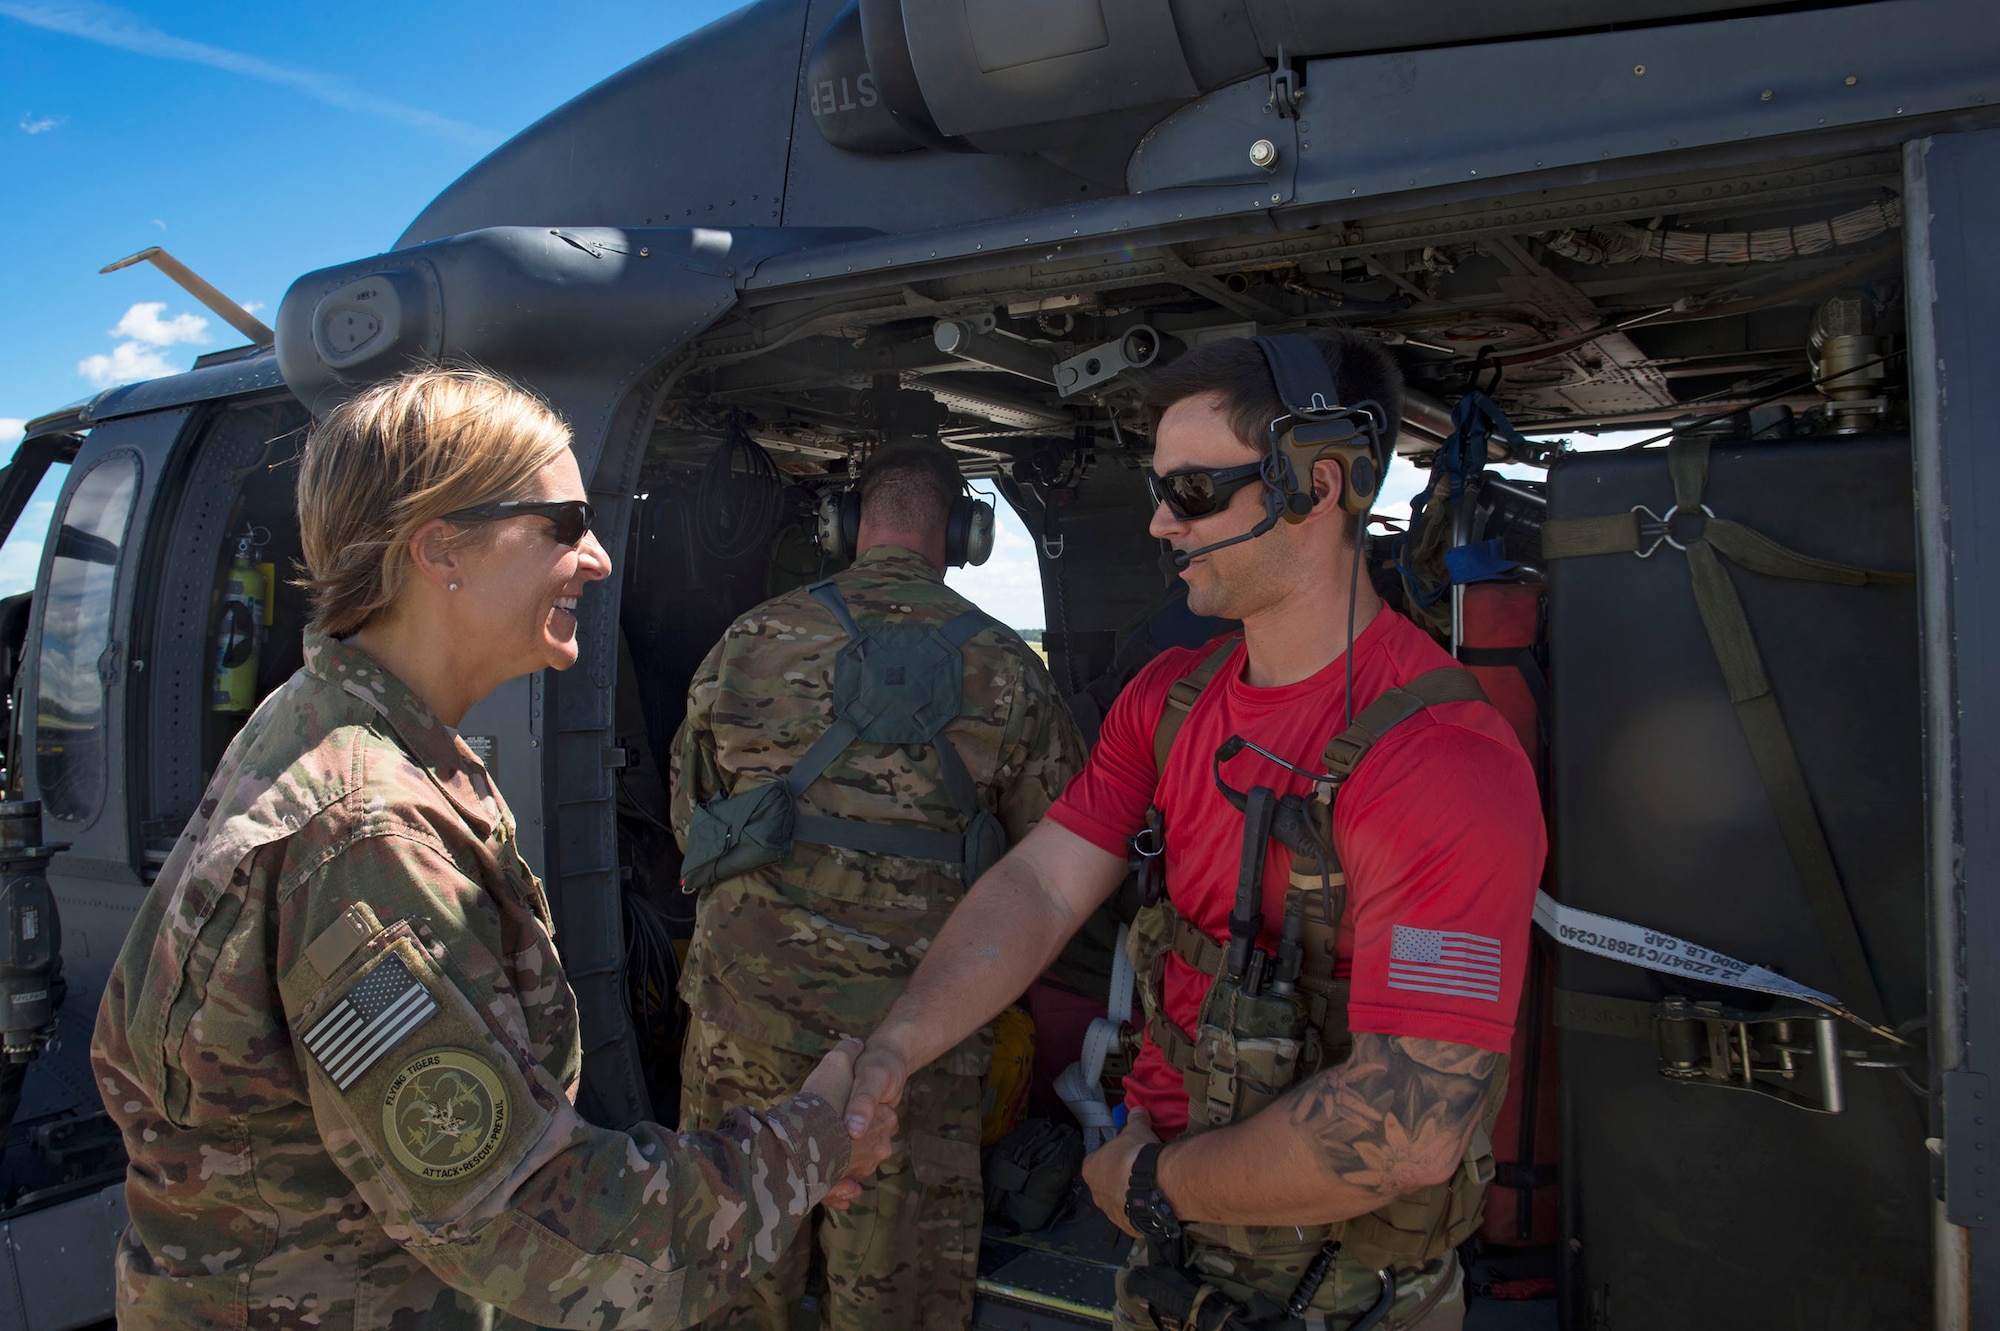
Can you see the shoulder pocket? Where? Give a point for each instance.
(438, 1102)
(733, 834)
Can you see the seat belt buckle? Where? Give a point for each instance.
(1790, 1054)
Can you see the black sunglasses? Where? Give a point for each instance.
(568, 519)
(1197, 492)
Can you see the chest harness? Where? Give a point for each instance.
(893, 684)
(1270, 1020)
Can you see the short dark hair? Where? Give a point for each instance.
(908, 485)
(1235, 370)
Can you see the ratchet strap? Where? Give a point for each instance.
(1641, 532)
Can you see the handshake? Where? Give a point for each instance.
(868, 1084)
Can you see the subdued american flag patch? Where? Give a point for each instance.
(1439, 961)
(385, 1005)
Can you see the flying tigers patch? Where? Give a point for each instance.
(444, 1115)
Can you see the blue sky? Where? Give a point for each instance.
(258, 143)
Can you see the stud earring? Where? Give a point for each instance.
(451, 586)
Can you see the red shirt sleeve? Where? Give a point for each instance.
(1106, 804)
(1443, 843)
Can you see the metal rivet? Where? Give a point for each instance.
(1639, 70)
(1274, 198)
(1852, 80)
(1263, 153)
(645, 253)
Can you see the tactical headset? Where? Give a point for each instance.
(968, 528)
(1316, 426)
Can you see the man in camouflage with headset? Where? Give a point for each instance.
(854, 753)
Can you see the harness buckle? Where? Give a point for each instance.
(1342, 755)
(1653, 525)
(1661, 528)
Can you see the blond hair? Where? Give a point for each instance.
(395, 456)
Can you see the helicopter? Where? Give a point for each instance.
(818, 225)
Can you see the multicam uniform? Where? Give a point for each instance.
(343, 1055)
(788, 958)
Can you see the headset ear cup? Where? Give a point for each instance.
(962, 532)
(954, 533)
(850, 521)
(1359, 480)
(826, 524)
(978, 531)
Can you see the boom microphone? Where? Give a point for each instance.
(1273, 506)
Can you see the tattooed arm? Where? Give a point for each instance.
(1393, 1118)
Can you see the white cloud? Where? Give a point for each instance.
(252, 306)
(10, 430)
(146, 332)
(142, 323)
(34, 124)
(158, 223)
(128, 363)
(108, 25)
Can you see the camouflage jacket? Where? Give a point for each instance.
(785, 954)
(343, 1056)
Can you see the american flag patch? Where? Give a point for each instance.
(1437, 961)
(383, 1007)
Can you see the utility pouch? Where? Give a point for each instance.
(1031, 1172)
(985, 843)
(1247, 1052)
(733, 834)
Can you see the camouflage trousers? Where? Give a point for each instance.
(1429, 1299)
(905, 1255)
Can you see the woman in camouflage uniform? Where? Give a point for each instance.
(339, 1041)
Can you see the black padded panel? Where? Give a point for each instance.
(1689, 1202)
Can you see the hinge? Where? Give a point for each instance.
(1970, 1147)
(1286, 89)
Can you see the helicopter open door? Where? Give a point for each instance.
(597, 320)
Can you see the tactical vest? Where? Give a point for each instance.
(893, 684)
(1230, 1079)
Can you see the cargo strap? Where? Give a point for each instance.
(874, 838)
(1743, 670)
(1081, 1084)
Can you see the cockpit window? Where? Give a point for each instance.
(76, 633)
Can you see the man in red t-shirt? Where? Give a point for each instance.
(1439, 832)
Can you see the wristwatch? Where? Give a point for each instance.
(1145, 1205)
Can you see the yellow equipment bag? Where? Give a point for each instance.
(1006, 1101)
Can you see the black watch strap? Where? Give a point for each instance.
(1147, 1207)
(1145, 1168)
